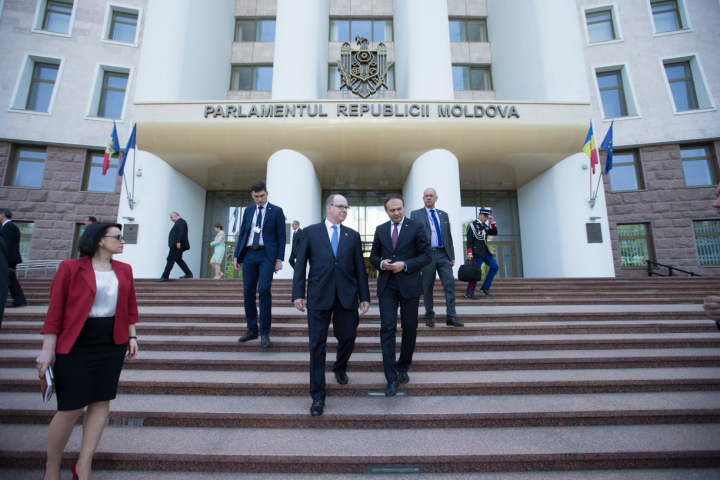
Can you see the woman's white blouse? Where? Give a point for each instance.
(106, 294)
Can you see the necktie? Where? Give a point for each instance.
(256, 236)
(395, 235)
(334, 240)
(438, 234)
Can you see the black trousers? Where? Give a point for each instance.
(175, 256)
(389, 301)
(345, 323)
(16, 291)
(291, 260)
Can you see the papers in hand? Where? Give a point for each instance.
(46, 384)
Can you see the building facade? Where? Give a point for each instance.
(485, 102)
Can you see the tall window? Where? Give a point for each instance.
(42, 85)
(77, 234)
(468, 30)
(26, 231)
(666, 15)
(123, 27)
(612, 94)
(680, 77)
(625, 174)
(26, 168)
(707, 238)
(466, 77)
(600, 26)
(255, 30)
(634, 244)
(375, 30)
(112, 97)
(57, 16)
(255, 77)
(94, 180)
(697, 166)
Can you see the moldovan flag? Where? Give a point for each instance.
(113, 146)
(590, 149)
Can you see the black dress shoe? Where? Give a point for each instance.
(471, 297)
(453, 323)
(317, 408)
(264, 340)
(187, 276)
(341, 378)
(17, 306)
(248, 336)
(486, 292)
(404, 377)
(391, 389)
(162, 279)
(430, 322)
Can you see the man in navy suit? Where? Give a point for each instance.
(337, 280)
(399, 251)
(259, 252)
(11, 236)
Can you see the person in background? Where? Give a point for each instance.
(296, 235)
(218, 256)
(10, 234)
(478, 251)
(712, 302)
(178, 243)
(89, 331)
(4, 278)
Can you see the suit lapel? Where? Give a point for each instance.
(266, 214)
(385, 237)
(88, 274)
(119, 269)
(343, 234)
(403, 232)
(322, 231)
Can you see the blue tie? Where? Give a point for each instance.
(437, 229)
(334, 240)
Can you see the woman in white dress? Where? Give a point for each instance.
(218, 256)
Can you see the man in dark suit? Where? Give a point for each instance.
(296, 235)
(399, 251)
(260, 252)
(437, 228)
(4, 277)
(10, 234)
(178, 243)
(336, 281)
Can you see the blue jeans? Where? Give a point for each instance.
(490, 260)
(257, 276)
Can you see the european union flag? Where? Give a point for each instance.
(607, 145)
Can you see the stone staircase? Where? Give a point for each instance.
(551, 375)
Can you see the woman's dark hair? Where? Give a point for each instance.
(89, 241)
(218, 225)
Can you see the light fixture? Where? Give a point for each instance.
(340, 184)
(129, 219)
(218, 185)
(505, 184)
(585, 166)
(139, 172)
(383, 184)
(464, 185)
(595, 218)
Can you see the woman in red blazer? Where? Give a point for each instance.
(89, 331)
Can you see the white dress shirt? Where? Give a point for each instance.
(254, 223)
(330, 230)
(434, 236)
(106, 294)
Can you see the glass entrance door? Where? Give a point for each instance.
(225, 208)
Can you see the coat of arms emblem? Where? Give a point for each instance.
(363, 71)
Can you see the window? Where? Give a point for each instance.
(697, 167)
(611, 92)
(77, 234)
(26, 168)
(26, 231)
(255, 77)
(375, 30)
(42, 85)
(466, 77)
(123, 27)
(707, 239)
(112, 96)
(666, 16)
(601, 24)
(625, 174)
(334, 79)
(680, 77)
(634, 244)
(468, 30)
(94, 180)
(255, 30)
(35, 87)
(57, 16)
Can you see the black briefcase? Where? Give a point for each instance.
(470, 272)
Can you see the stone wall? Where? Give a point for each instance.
(59, 204)
(668, 206)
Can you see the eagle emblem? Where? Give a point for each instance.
(363, 71)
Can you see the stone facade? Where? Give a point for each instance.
(59, 204)
(668, 206)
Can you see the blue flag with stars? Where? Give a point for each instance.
(607, 145)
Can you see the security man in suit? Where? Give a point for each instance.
(478, 251)
(399, 251)
(10, 234)
(178, 243)
(296, 235)
(437, 229)
(337, 281)
(259, 252)
(4, 277)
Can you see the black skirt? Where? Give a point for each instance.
(90, 372)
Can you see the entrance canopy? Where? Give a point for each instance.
(361, 145)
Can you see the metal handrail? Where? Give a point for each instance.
(670, 270)
(38, 265)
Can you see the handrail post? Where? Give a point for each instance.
(671, 270)
(649, 268)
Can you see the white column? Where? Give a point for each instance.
(423, 65)
(160, 190)
(438, 169)
(553, 212)
(293, 185)
(186, 47)
(300, 65)
(537, 52)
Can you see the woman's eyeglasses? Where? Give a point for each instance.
(119, 238)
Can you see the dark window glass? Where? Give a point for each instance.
(26, 231)
(94, 180)
(682, 86)
(600, 26)
(666, 16)
(375, 30)
(255, 30)
(124, 26)
(625, 172)
(57, 17)
(251, 78)
(634, 244)
(245, 31)
(113, 95)
(696, 166)
(612, 94)
(707, 239)
(466, 77)
(468, 30)
(26, 168)
(41, 87)
(79, 230)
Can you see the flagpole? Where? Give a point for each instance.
(593, 197)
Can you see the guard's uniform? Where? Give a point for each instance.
(477, 234)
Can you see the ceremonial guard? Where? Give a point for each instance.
(478, 251)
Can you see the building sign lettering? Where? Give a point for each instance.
(360, 110)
